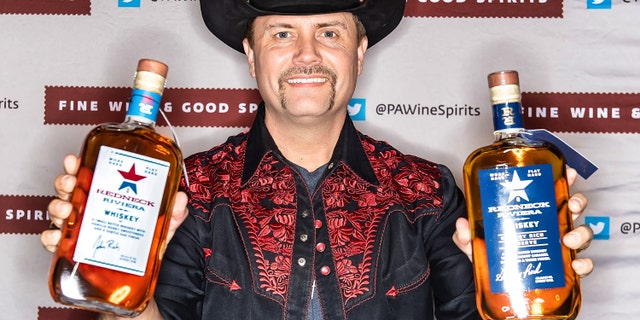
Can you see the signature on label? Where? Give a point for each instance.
(530, 270)
(109, 244)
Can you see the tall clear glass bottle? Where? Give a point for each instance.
(112, 243)
(517, 195)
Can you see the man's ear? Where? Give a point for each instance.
(250, 57)
(362, 48)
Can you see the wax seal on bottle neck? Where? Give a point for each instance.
(151, 75)
(501, 78)
(153, 66)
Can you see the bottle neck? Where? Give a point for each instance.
(507, 110)
(144, 104)
(508, 134)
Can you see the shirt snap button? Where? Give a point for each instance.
(320, 247)
(302, 262)
(325, 270)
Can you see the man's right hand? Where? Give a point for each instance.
(60, 209)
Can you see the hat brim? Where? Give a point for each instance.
(228, 19)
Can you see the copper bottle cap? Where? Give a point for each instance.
(502, 78)
(153, 66)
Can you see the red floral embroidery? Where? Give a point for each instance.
(354, 282)
(353, 232)
(354, 209)
(267, 207)
(274, 276)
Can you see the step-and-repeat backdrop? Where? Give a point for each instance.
(67, 65)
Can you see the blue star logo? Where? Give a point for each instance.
(132, 176)
(516, 187)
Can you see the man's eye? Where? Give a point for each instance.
(282, 34)
(329, 34)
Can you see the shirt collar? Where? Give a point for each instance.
(348, 150)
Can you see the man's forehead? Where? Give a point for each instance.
(343, 18)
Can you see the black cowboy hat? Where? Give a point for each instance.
(228, 19)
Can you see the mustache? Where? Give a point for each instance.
(307, 70)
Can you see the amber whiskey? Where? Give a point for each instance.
(112, 243)
(517, 195)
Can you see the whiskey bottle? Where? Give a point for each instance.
(112, 243)
(517, 195)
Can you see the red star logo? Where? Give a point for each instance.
(131, 174)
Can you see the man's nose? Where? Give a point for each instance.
(307, 51)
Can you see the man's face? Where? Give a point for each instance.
(306, 65)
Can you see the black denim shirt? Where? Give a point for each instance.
(375, 235)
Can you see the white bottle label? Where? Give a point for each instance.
(121, 211)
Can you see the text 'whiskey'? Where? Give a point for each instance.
(517, 195)
(112, 242)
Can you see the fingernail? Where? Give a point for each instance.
(571, 239)
(578, 264)
(577, 202)
(61, 206)
(66, 179)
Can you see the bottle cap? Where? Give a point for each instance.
(153, 66)
(501, 78)
(150, 75)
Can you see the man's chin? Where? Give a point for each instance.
(308, 104)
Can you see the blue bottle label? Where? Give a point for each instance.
(507, 116)
(144, 104)
(521, 228)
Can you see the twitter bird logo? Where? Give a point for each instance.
(598, 4)
(354, 109)
(357, 109)
(129, 3)
(599, 225)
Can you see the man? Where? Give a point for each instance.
(304, 217)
